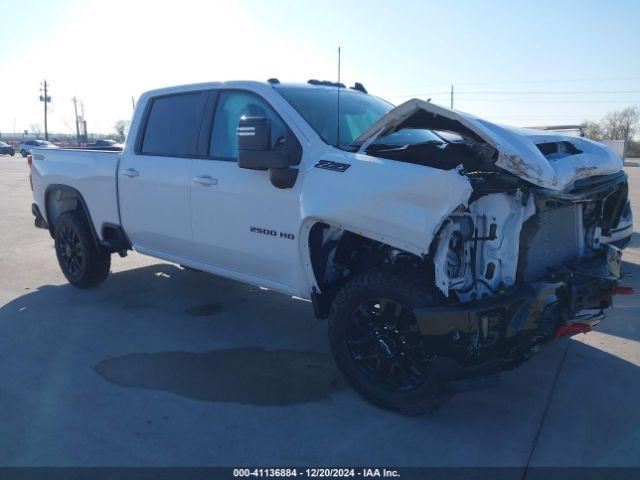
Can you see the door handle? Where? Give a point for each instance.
(131, 172)
(205, 180)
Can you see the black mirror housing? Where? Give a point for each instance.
(254, 133)
(255, 152)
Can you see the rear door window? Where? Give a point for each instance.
(173, 125)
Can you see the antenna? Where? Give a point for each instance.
(338, 133)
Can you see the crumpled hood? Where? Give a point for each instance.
(517, 148)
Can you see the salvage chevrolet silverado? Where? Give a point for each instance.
(439, 245)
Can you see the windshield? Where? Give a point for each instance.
(319, 107)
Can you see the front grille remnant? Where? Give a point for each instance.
(559, 238)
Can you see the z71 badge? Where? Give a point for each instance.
(272, 233)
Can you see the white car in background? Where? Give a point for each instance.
(25, 147)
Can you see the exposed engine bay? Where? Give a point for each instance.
(521, 236)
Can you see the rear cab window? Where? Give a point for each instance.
(173, 124)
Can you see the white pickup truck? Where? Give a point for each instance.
(439, 245)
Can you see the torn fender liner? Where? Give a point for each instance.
(517, 148)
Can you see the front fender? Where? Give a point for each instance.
(396, 203)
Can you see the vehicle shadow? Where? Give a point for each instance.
(248, 375)
(259, 358)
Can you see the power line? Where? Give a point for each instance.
(554, 92)
(516, 100)
(529, 92)
(523, 82)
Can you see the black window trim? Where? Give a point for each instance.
(145, 118)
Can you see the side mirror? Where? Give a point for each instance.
(255, 152)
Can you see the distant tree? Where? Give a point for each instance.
(36, 128)
(633, 149)
(592, 130)
(121, 128)
(621, 125)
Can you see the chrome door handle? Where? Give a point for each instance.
(205, 180)
(131, 172)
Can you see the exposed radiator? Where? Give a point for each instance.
(559, 238)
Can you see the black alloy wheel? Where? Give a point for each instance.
(70, 250)
(376, 342)
(385, 344)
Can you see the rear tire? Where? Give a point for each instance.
(82, 262)
(376, 343)
(23, 153)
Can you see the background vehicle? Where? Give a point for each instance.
(25, 147)
(105, 144)
(433, 256)
(6, 149)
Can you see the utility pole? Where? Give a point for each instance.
(133, 103)
(84, 123)
(75, 109)
(46, 99)
(338, 122)
(452, 96)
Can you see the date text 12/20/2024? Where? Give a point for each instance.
(317, 472)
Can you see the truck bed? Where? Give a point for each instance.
(90, 172)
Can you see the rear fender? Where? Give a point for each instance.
(62, 198)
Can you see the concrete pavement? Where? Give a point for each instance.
(162, 366)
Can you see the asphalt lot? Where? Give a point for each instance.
(169, 367)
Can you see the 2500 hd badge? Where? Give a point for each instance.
(272, 233)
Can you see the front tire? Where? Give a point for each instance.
(82, 262)
(376, 343)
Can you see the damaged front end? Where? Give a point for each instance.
(500, 332)
(520, 268)
(521, 262)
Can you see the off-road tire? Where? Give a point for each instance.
(406, 289)
(95, 263)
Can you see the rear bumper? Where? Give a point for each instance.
(39, 221)
(503, 331)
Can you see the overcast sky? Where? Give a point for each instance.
(514, 62)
